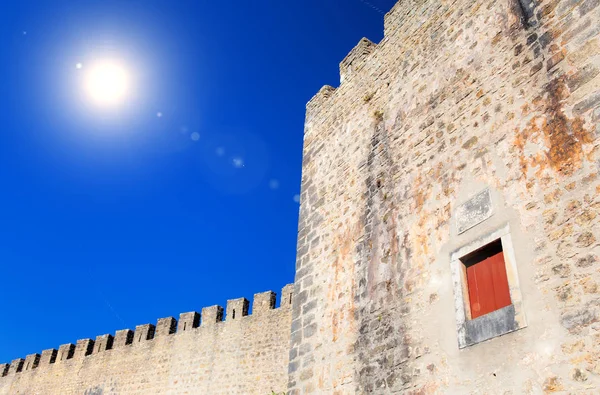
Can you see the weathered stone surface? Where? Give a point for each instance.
(474, 211)
(497, 323)
(459, 97)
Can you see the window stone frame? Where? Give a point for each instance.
(499, 322)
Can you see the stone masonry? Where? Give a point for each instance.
(199, 354)
(460, 97)
(473, 123)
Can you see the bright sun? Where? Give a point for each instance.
(107, 83)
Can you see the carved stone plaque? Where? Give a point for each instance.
(474, 211)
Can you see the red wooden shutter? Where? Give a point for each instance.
(501, 290)
(488, 285)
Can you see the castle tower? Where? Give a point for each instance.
(449, 238)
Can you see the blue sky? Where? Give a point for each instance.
(182, 196)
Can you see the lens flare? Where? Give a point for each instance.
(107, 83)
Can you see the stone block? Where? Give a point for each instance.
(48, 357)
(103, 343)
(474, 211)
(65, 351)
(143, 333)
(123, 337)
(83, 348)
(236, 309)
(166, 326)
(211, 315)
(31, 362)
(263, 303)
(188, 321)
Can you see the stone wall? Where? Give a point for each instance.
(459, 97)
(245, 354)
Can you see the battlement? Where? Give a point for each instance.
(355, 60)
(352, 64)
(321, 97)
(459, 97)
(401, 17)
(211, 318)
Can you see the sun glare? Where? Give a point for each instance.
(107, 83)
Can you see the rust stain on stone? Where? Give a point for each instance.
(421, 193)
(552, 384)
(427, 389)
(563, 137)
(339, 286)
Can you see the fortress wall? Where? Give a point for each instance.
(244, 354)
(460, 96)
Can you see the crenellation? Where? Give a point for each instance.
(103, 343)
(83, 348)
(318, 101)
(31, 362)
(48, 357)
(287, 296)
(458, 97)
(65, 351)
(236, 309)
(393, 18)
(355, 60)
(211, 315)
(16, 366)
(188, 321)
(166, 326)
(263, 302)
(259, 343)
(123, 337)
(143, 333)
(465, 140)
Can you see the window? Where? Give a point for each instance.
(487, 282)
(488, 301)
